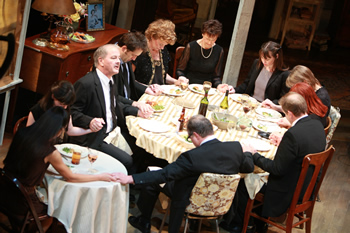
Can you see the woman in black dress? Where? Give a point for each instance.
(202, 60)
(31, 152)
(152, 66)
(60, 94)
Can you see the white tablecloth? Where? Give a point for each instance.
(96, 207)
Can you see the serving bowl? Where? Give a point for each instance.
(223, 120)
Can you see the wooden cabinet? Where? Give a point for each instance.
(41, 66)
(300, 23)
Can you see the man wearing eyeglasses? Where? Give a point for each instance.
(210, 155)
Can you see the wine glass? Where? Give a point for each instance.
(183, 86)
(206, 85)
(92, 156)
(246, 107)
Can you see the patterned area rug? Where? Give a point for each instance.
(335, 76)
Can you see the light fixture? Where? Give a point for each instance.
(51, 8)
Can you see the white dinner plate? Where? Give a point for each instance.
(84, 150)
(181, 101)
(154, 126)
(265, 126)
(172, 90)
(237, 97)
(268, 113)
(258, 144)
(198, 88)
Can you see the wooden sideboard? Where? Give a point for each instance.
(41, 66)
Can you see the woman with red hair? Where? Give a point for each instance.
(316, 109)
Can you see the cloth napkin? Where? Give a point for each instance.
(254, 182)
(116, 138)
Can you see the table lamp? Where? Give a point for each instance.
(53, 7)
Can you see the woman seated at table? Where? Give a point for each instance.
(303, 74)
(202, 60)
(60, 94)
(316, 109)
(267, 76)
(152, 67)
(32, 151)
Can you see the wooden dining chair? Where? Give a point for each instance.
(216, 192)
(178, 54)
(329, 123)
(180, 12)
(302, 210)
(21, 123)
(20, 224)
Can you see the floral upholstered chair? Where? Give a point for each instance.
(211, 197)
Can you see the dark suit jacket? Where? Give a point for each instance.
(305, 137)
(275, 88)
(135, 89)
(213, 156)
(90, 103)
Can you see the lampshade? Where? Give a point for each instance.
(55, 7)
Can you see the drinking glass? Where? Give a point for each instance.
(183, 86)
(76, 157)
(92, 156)
(206, 85)
(246, 107)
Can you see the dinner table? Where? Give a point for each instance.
(89, 206)
(158, 135)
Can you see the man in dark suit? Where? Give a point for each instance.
(304, 137)
(131, 45)
(210, 155)
(97, 108)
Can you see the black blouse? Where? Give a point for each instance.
(143, 71)
(198, 69)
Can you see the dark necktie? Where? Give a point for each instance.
(126, 80)
(111, 93)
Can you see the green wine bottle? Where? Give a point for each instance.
(204, 104)
(224, 103)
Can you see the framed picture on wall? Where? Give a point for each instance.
(96, 16)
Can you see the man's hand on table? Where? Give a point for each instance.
(247, 147)
(154, 89)
(145, 110)
(96, 124)
(223, 87)
(122, 178)
(275, 138)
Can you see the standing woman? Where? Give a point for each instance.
(61, 94)
(267, 76)
(152, 66)
(31, 152)
(202, 59)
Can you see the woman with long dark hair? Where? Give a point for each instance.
(267, 76)
(32, 151)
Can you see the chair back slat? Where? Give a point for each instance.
(212, 195)
(178, 54)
